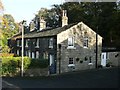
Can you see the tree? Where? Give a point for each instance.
(50, 17)
(8, 28)
(105, 16)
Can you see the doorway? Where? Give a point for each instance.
(52, 64)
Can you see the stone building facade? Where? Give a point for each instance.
(80, 55)
(68, 48)
(71, 47)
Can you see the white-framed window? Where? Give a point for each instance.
(37, 42)
(51, 43)
(18, 43)
(37, 54)
(85, 42)
(33, 55)
(71, 43)
(45, 55)
(26, 52)
(18, 52)
(26, 44)
(71, 61)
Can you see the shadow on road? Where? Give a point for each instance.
(97, 78)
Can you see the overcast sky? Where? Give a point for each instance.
(26, 9)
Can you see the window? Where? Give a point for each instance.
(18, 52)
(26, 44)
(51, 43)
(33, 55)
(18, 43)
(45, 55)
(26, 53)
(71, 41)
(37, 42)
(85, 43)
(90, 59)
(70, 60)
(37, 54)
(29, 53)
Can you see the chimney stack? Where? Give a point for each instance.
(64, 18)
(32, 25)
(42, 23)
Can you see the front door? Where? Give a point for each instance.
(52, 64)
(103, 59)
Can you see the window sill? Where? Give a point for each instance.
(36, 46)
(71, 47)
(51, 47)
(90, 63)
(85, 47)
(71, 65)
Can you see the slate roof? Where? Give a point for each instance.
(45, 32)
(110, 49)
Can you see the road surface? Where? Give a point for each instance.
(95, 78)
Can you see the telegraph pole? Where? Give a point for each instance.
(22, 67)
(96, 15)
(96, 48)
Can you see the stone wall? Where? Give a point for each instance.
(78, 53)
(37, 72)
(114, 58)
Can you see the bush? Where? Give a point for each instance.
(11, 65)
(39, 63)
(6, 55)
(109, 64)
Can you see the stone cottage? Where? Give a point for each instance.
(71, 47)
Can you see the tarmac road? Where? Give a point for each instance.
(95, 78)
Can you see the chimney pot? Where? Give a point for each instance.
(64, 18)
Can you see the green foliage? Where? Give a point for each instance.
(8, 28)
(50, 15)
(11, 65)
(39, 63)
(7, 55)
(105, 16)
(5, 49)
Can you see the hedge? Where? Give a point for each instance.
(11, 65)
(7, 55)
(38, 63)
